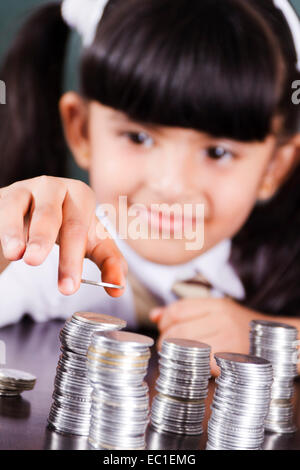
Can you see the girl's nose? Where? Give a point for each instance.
(174, 178)
(166, 175)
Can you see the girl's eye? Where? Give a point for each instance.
(140, 138)
(219, 153)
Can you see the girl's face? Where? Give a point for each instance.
(151, 164)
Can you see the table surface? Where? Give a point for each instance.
(35, 348)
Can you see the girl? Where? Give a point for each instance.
(180, 102)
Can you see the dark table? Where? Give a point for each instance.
(34, 348)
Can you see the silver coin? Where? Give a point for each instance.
(121, 339)
(16, 375)
(101, 284)
(96, 318)
(9, 393)
(235, 358)
(185, 345)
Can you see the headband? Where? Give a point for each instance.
(85, 15)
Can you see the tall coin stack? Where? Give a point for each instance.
(117, 363)
(70, 410)
(182, 386)
(241, 403)
(278, 343)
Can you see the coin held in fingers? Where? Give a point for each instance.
(101, 284)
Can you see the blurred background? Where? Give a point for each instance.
(12, 14)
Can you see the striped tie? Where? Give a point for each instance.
(196, 288)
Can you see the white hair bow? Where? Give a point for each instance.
(84, 16)
(293, 22)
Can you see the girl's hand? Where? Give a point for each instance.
(37, 213)
(221, 323)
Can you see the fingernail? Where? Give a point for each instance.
(67, 285)
(155, 313)
(11, 245)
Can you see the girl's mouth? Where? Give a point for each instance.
(172, 222)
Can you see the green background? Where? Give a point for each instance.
(12, 14)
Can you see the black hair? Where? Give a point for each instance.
(224, 67)
(210, 65)
(31, 135)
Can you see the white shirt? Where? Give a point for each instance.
(34, 290)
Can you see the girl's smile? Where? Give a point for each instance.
(160, 220)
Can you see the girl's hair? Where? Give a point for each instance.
(31, 136)
(221, 67)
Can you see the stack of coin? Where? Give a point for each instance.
(278, 343)
(184, 372)
(117, 363)
(14, 382)
(241, 403)
(70, 410)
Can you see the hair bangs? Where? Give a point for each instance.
(207, 65)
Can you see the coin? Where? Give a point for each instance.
(101, 284)
(96, 318)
